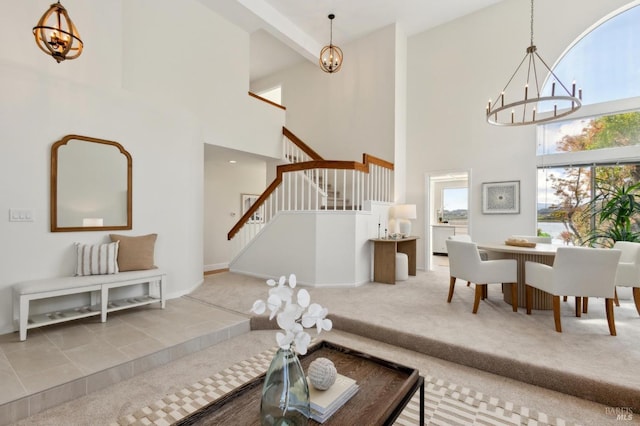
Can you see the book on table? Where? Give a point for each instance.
(325, 403)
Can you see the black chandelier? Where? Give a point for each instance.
(560, 103)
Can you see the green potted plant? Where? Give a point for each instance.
(615, 212)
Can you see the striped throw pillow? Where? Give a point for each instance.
(98, 259)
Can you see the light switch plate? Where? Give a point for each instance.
(21, 215)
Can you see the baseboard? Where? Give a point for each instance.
(215, 271)
(216, 267)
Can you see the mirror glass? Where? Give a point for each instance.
(90, 185)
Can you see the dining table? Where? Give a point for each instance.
(541, 253)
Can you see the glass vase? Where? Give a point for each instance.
(285, 393)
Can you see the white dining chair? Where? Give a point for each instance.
(467, 238)
(629, 270)
(576, 271)
(465, 263)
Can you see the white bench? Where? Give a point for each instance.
(97, 285)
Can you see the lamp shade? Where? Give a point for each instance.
(405, 211)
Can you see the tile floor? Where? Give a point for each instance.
(86, 355)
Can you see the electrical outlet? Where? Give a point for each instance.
(21, 215)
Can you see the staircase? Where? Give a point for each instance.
(308, 186)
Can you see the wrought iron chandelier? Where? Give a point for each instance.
(331, 56)
(56, 35)
(560, 103)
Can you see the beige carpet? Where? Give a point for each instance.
(584, 360)
(445, 402)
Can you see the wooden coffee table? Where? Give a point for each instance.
(385, 390)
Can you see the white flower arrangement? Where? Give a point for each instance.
(291, 317)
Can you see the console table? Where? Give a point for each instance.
(384, 257)
(385, 390)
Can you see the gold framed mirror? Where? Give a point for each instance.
(90, 185)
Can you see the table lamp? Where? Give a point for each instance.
(403, 214)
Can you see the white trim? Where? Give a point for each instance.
(610, 155)
(581, 158)
(216, 266)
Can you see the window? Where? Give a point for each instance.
(605, 62)
(565, 194)
(454, 204)
(598, 150)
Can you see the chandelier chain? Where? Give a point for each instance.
(331, 33)
(531, 22)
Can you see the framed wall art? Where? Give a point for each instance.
(501, 197)
(247, 201)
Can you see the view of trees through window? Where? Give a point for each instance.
(571, 198)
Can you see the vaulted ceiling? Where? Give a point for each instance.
(284, 32)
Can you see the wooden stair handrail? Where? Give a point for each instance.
(370, 159)
(303, 146)
(267, 101)
(305, 165)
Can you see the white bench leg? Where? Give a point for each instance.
(163, 299)
(156, 290)
(23, 317)
(104, 302)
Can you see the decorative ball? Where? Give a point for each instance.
(322, 373)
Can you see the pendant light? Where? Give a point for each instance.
(56, 35)
(560, 103)
(331, 56)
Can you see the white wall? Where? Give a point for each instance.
(323, 249)
(150, 78)
(99, 26)
(400, 118)
(453, 70)
(223, 185)
(343, 115)
(190, 56)
(37, 110)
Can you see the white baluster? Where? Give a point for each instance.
(336, 187)
(309, 186)
(344, 189)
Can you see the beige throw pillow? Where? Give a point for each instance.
(135, 253)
